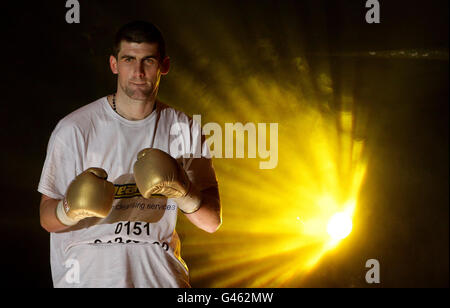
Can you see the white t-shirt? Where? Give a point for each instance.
(136, 245)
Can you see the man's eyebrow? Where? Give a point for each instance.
(150, 57)
(145, 58)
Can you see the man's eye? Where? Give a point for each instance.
(150, 61)
(128, 59)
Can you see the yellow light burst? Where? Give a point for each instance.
(274, 221)
(339, 226)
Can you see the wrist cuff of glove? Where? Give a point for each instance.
(191, 202)
(62, 216)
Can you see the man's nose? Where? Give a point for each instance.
(139, 69)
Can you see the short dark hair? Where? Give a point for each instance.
(140, 32)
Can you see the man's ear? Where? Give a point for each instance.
(165, 66)
(113, 64)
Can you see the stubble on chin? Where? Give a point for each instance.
(139, 95)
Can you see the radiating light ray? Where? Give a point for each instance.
(274, 221)
(271, 206)
(417, 54)
(306, 185)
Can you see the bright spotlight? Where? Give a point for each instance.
(339, 226)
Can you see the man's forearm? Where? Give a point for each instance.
(48, 218)
(209, 216)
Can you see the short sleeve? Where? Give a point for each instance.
(60, 168)
(199, 167)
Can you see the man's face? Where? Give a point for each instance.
(139, 69)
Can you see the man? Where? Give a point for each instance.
(115, 173)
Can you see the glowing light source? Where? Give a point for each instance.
(339, 226)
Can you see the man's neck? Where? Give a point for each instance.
(130, 109)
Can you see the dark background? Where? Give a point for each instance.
(50, 68)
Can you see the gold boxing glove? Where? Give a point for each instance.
(89, 195)
(156, 172)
